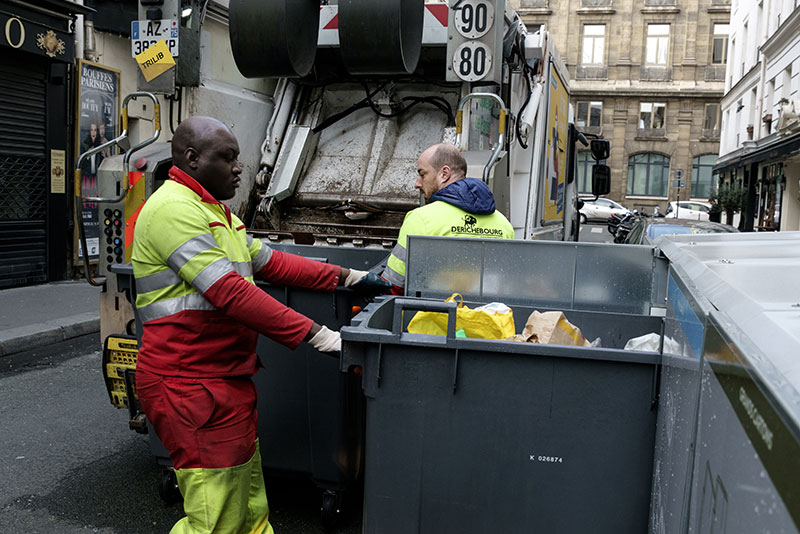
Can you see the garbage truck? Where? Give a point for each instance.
(352, 110)
(355, 103)
(359, 100)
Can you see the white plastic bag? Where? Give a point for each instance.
(650, 342)
(494, 307)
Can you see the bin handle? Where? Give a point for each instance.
(402, 304)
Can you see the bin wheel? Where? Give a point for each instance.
(331, 508)
(168, 488)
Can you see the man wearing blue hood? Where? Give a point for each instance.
(457, 206)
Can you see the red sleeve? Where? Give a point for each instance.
(243, 301)
(292, 270)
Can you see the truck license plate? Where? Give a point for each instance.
(146, 33)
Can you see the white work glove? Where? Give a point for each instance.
(367, 283)
(326, 340)
(354, 277)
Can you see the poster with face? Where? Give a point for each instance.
(98, 122)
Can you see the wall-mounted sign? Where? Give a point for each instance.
(35, 38)
(58, 171)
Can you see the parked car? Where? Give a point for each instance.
(688, 209)
(646, 230)
(600, 209)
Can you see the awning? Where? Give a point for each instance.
(774, 150)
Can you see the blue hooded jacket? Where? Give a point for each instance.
(469, 194)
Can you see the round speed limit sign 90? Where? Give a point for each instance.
(472, 61)
(473, 18)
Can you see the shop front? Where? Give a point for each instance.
(769, 169)
(37, 54)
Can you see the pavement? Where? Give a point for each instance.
(40, 315)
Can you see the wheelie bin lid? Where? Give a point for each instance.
(748, 284)
(550, 274)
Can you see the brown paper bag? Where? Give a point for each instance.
(551, 328)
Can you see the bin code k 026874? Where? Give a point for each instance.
(546, 459)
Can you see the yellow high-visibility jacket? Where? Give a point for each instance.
(464, 208)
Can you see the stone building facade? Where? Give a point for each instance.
(648, 76)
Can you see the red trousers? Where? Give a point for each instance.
(203, 422)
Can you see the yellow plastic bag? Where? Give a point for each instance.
(477, 323)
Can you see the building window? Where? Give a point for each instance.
(590, 114)
(585, 162)
(657, 45)
(711, 121)
(594, 44)
(786, 90)
(648, 175)
(702, 177)
(652, 115)
(769, 98)
(743, 45)
(719, 48)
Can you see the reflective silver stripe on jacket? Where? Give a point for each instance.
(165, 308)
(394, 277)
(159, 280)
(262, 257)
(399, 252)
(244, 268)
(208, 276)
(190, 249)
(202, 282)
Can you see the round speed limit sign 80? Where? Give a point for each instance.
(473, 18)
(472, 61)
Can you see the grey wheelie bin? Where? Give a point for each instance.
(470, 435)
(727, 453)
(310, 416)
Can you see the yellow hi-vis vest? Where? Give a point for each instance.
(441, 218)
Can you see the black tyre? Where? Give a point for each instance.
(168, 488)
(331, 510)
